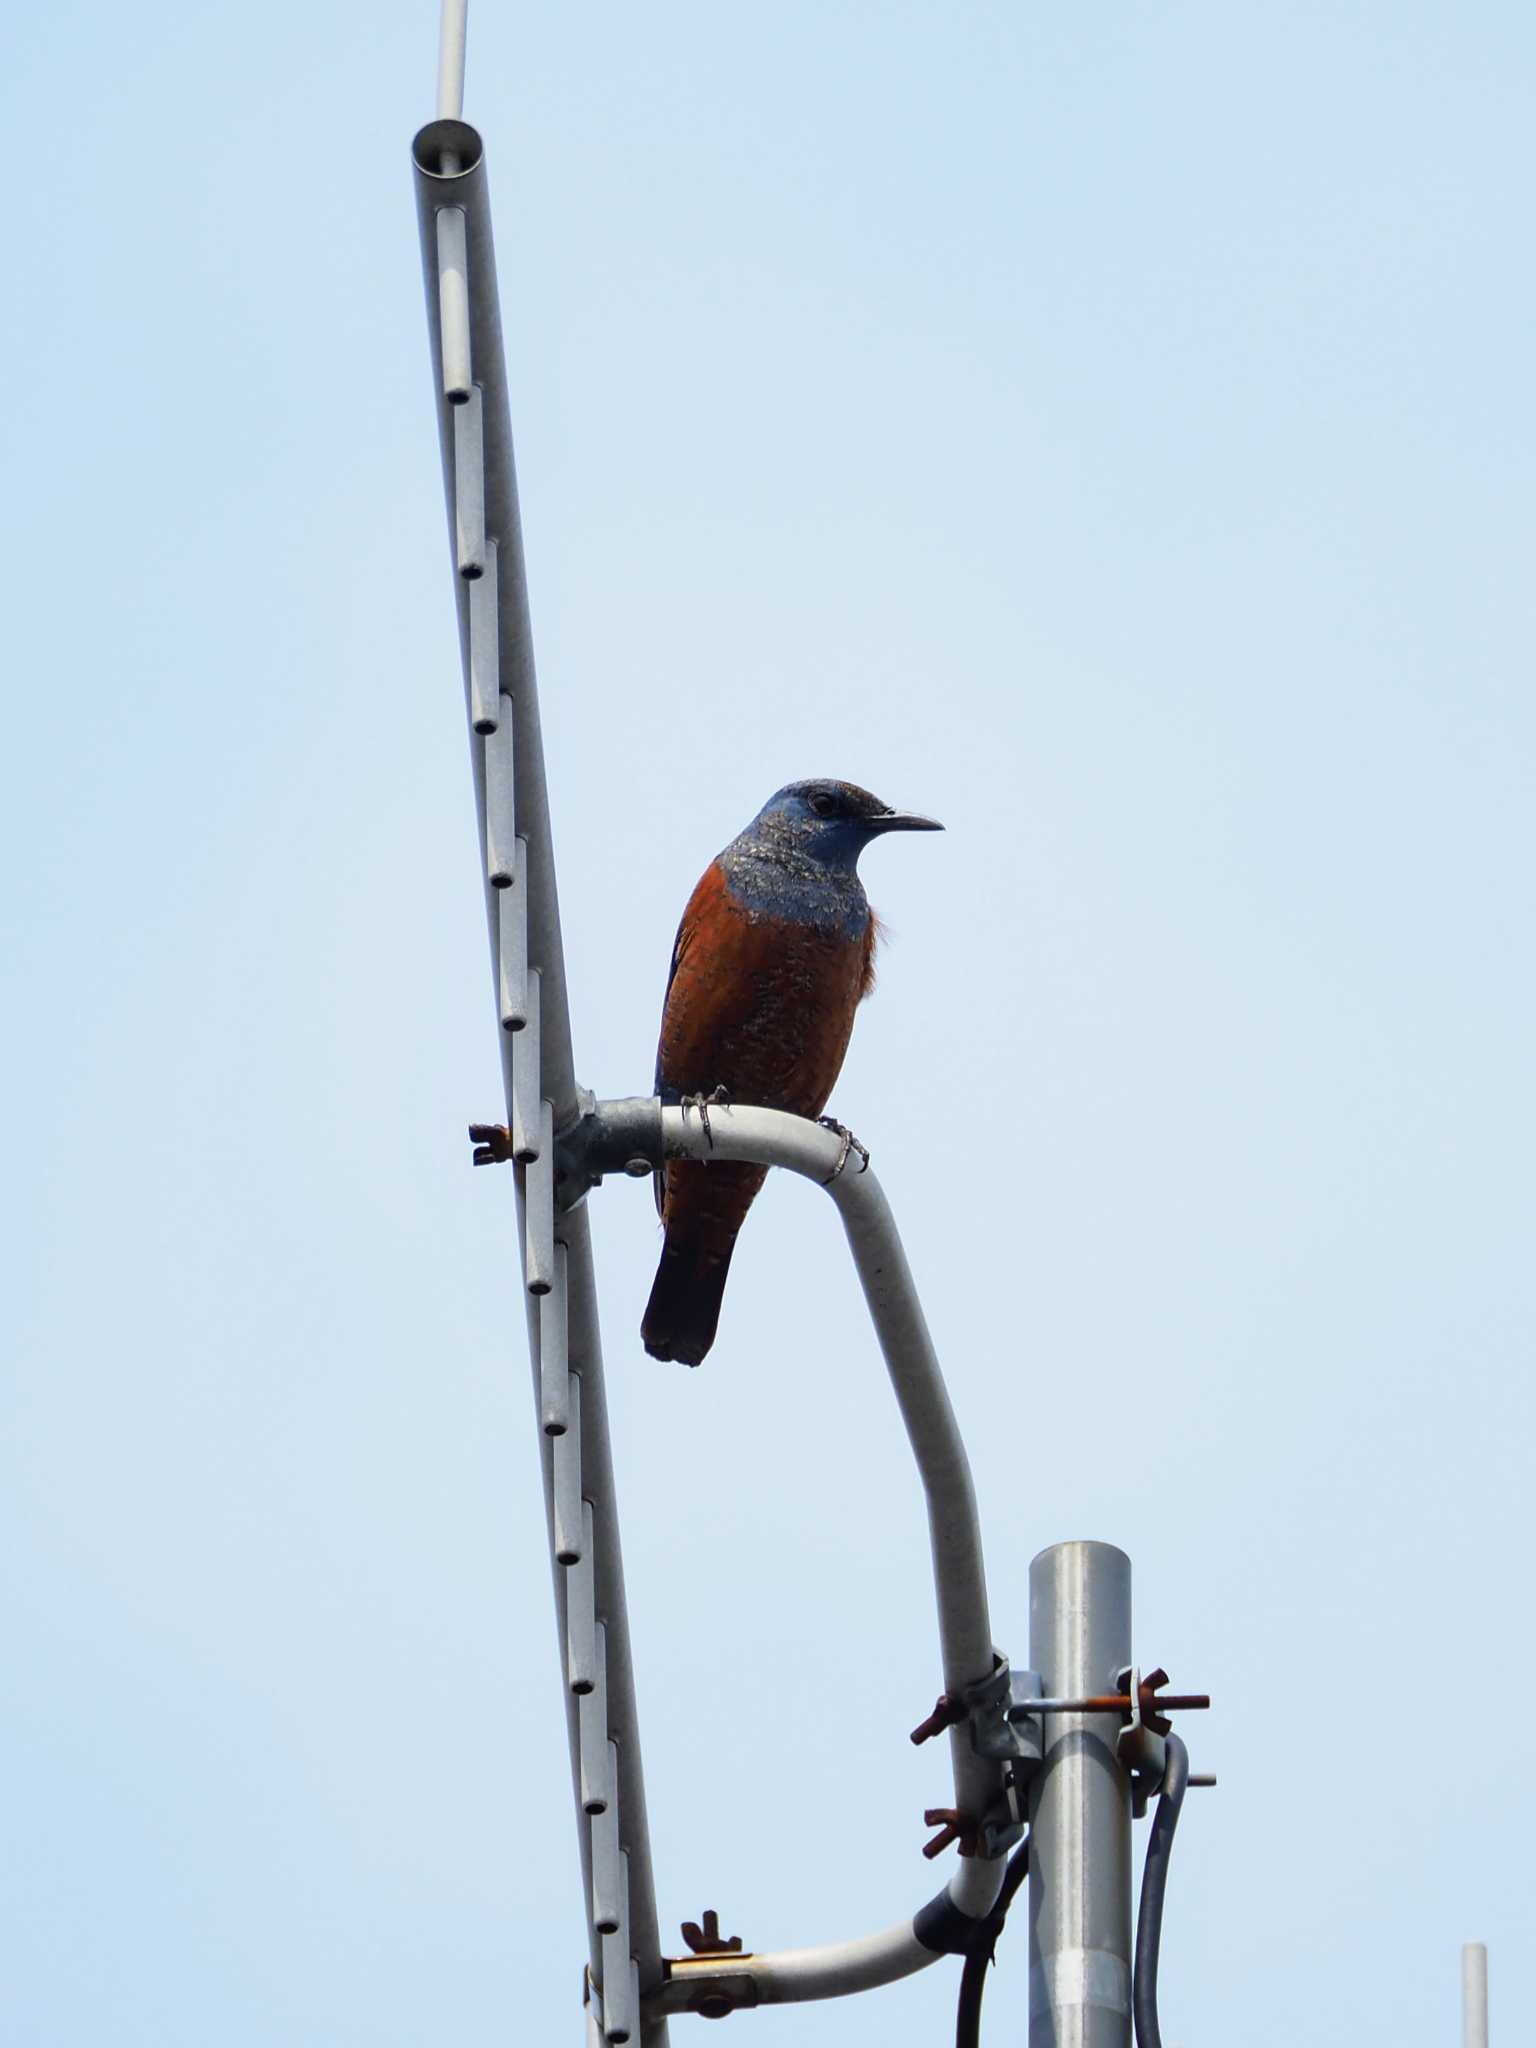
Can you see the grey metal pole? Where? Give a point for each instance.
(1474, 1995)
(1080, 1805)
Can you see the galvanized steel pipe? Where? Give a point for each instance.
(1080, 1805)
(1474, 1995)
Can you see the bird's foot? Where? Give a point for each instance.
(718, 1098)
(492, 1143)
(850, 1144)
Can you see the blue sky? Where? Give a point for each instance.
(1109, 431)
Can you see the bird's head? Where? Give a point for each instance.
(832, 821)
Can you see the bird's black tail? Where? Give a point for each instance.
(684, 1309)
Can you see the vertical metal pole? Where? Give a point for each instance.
(1080, 1805)
(1474, 1995)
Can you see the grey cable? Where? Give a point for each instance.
(1154, 1886)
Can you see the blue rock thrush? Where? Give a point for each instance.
(774, 954)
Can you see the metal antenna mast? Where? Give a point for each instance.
(1069, 1746)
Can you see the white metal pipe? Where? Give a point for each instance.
(469, 486)
(592, 1719)
(450, 59)
(485, 697)
(568, 1497)
(1474, 1995)
(453, 305)
(554, 1352)
(607, 1893)
(772, 1138)
(500, 771)
(527, 1129)
(539, 1216)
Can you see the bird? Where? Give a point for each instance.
(774, 954)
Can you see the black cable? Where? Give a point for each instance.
(1154, 1885)
(973, 1978)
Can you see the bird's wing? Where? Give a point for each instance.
(705, 894)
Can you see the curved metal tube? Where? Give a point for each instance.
(769, 1137)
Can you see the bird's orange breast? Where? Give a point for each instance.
(759, 1005)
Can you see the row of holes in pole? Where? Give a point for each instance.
(518, 1004)
(586, 1654)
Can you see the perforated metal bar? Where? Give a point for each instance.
(529, 981)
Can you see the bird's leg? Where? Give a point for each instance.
(718, 1098)
(492, 1143)
(850, 1144)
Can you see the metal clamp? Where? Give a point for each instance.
(1140, 1745)
(622, 1136)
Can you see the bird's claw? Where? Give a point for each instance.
(849, 1144)
(492, 1143)
(718, 1098)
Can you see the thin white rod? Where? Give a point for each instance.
(511, 914)
(554, 1351)
(526, 1114)
(607, 1903)
(452, 33)
(469, 486)
(453, 304)
(567, 1449)
(1474, 1995)
(485, 698)
(620, 2011)
(580, 1614)
(539, 1243)
(592, 1718)
(500, 788)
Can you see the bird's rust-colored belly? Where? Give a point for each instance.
(760, 1006)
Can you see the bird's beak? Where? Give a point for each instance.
(905, 821)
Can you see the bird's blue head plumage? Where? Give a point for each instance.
(798, 859)
(829, 822)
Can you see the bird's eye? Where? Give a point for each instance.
(822, 804)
